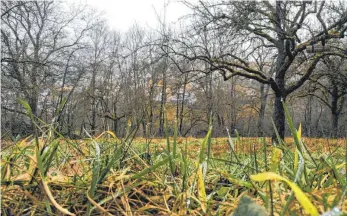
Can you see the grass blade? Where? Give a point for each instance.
(201, 188)
(300, 196)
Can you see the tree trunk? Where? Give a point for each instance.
(335, 124)
(115, 126)
(81, 128)
(278, 111)
(144, 129)
(220, 121)
(182, 103)
(69, 122)
(261, 110)
(93, 106)
(308, 115)
(162, 105)
(209, 95)
(233, 112)
(151, 118)
(316, 126)
(33, 101)
(115, 120)
(34, 93)
(279, 88)
(334, 112)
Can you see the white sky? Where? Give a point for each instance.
(122, 14)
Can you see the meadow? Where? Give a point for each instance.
(105, 175)
(87, 86)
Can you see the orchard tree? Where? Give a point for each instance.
(236, 30)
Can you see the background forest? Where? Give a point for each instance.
(77, 72)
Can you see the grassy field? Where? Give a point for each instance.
(104, 175)
(179, 176)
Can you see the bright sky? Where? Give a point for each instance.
(122, 14)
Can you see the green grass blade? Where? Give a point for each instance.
(171, 162)
(151, 168)
(203, 145)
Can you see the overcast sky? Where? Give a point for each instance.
(121, 14)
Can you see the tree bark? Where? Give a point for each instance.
(93, 102)
(162, 104)
(182, 103)
(279, 118)
(308, 115)
(115, 120)
(335, 123)
(278, 110)
(33, 101)
(279, 88)
(233, 112)
(262, 110)
(334, 112)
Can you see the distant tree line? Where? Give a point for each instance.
(231, 62)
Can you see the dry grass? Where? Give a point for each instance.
(159, 192)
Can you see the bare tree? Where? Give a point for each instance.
(265, 64)
(329, 87)
(281, 27)
(34, 36)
